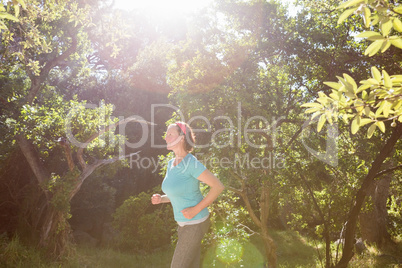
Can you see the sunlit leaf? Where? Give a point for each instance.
(351, 81)
(22, 3)
(387, 108)
(8, 16)
(311, 104)
(373, 48)
(321, 122)
(367, 110)
(366, 17)
(16, 10)
(386, 27)
(355, 125)
(334, 85)
(346, 14)
(380, 108)
(398, 9)
(387, 79)
(385, 45)
(349, 3)
(375, 73)
(396, 78)
(365, 121)
(380, 125)
(312, 110)
(334, 96)
(397, 24)
(363, 87)
(370, 34)
(397, 43)
(314, 115)
(371, 130)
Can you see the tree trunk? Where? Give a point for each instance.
(269, 244)
(262, 221)
(373, 223)
(350, 226)
(54, 232)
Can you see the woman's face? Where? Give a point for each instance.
(173, 138)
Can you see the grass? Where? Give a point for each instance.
(293, 251)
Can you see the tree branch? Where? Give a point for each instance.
(32, 156)
(36, 81)
(80, 151)
(368, 181)
(379, 174)
(243, 195)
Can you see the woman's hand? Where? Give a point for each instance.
(156, 199)
(190, 212)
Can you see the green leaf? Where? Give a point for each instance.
(397, 24)
(373, 48)
(371, 130)
(365, 121)
(386, 27)
(381, 126)
(314, 115)
(22, 3)
(16, 10)
(355, 125)
(321, 122)
(311, 104)
(334, 96)
(312, 110)
(375, 73)
(366, 17)
(363, 87)
(346, 14)
(387, 79)
(387, 108)
(398, 9)
(397, 43)
(349, 3)
(396, 78)
(5, 15)
(373, 81)
(368, 34)
(381, 106)
(385, 45)
(333, 85)
(367, 110)
(351, 81)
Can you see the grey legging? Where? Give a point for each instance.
(188, 249)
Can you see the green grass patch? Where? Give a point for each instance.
(293, 251)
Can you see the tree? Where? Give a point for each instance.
(376, 102)
(63, 141)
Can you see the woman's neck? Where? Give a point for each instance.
(179, 155)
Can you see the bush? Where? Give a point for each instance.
(143, 226)
(15, 254)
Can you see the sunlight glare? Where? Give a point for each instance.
(167, 8)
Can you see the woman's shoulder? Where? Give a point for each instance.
(191, 157)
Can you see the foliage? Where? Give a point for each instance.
(15, 254)
(6, 15)
(132, 219)
(229, 233)
(378, 98)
